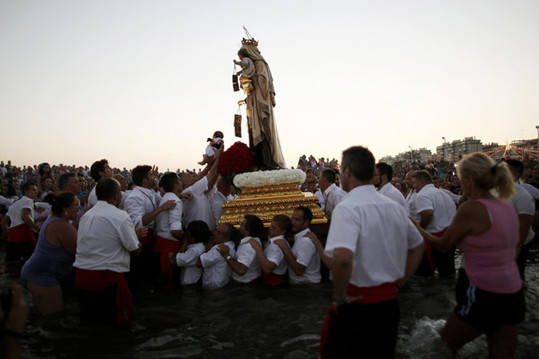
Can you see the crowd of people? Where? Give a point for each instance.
(102, 230)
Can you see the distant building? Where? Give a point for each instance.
(458, 148)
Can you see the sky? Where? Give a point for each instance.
(146, 82)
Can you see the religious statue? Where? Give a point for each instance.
(257, 83)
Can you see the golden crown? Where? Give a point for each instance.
(250, 41)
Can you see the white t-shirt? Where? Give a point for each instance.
(217, 200)
(305, 253)
(171, 219)
(333, 195)
(378, 232)
(246, 255)
(92, 198)
(190, 273)
(321, 199)
(275, 255)
(393, 193)
(198, 208)
(524, 204)
(532, 190)
(443, 207)
(216, 270)
(105, 238)
(140, 202)
(15, 211)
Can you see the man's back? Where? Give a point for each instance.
(443, 207)
(105, 238)
(379, 233)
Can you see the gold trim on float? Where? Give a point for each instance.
(268, 201)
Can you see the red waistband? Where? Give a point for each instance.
(96, 280)
(148, 238)
(20, 234)
(272, 279)
(166, 245)
(440, 234)
(371, 295)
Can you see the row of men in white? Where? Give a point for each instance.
(101, 248)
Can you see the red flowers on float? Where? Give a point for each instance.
(237, 159)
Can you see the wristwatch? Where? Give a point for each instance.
(228, 258)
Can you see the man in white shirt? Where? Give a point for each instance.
(271, 258)
(21, 237)
(245, 266)
(168, 224)
(436, 212)
(303, 259)
(525, 207)
(105, 241)
(219, 197)
(199, 187)
(197, 236)
(331, 192)
(216, 272)
(383, 174)
(100, 169)
(374, 246)
(143, 206)
(410, 196)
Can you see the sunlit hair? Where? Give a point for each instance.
(487, 174)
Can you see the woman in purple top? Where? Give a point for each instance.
(489, 292)
(52, 260)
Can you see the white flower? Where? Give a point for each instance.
(265, 178)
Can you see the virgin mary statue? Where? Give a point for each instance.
(257, 83)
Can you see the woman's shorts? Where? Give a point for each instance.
(487, 311)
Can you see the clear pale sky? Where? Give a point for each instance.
(148, 81)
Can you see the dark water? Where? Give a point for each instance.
(247, 322)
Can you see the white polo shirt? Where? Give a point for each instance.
(412, 208)
(15, 211)
(216, 270)
(140, 202)
(523, 202)
(198, 208)
(305, 253)
(190, 273)
(333, 195)
(443, 207)
(275, 255)
(393, 193)
(105, 238)
(246, 255)
(378, 232)
(171, 219)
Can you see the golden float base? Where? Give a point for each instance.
(268, 201)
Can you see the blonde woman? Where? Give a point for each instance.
(489, 292)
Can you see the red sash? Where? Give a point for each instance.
(148, 239)
(20, 234)
(164, 246)
(96, 280)
(273, 280)
(429, 252)
(362, 295)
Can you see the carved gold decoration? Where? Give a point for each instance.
(269, 201)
